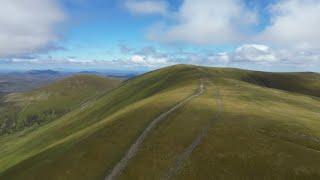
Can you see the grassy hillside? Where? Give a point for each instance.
(21, 110)
(301, 82)
(305, 83)
(240, 127)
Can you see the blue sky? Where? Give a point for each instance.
(271, 35)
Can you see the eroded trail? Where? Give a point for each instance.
(118, 168)
(196, 142)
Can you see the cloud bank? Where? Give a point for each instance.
(205, 22)
(255, 55)
(294, 23)
(28, 26)
(291, 36)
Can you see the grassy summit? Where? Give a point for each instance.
(245, 125)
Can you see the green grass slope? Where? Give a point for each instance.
(305, 83)
(238, 128)
(301, 82)
(21, 110)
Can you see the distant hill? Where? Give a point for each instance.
(122, 75)
(29, 80)
(42, 105)
(179, 122)
(42, 72)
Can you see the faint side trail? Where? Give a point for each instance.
(187, 152)
(118, 168)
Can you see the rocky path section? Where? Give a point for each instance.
(196, 142)
(118, 168)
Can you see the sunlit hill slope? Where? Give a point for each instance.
(21, 110)
(179, 122)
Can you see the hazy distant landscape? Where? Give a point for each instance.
(28, 80)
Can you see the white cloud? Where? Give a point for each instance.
(148, 60)
(246, 56)
(147, 6)
(294, 23)
(27, 26)
(254, 53)
(258, 54)
(138, 59)
(205, 22)
(147, 56)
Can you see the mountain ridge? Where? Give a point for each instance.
(262, 122)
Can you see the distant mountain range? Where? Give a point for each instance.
(24, 81)
(28, 80)
(42, 72)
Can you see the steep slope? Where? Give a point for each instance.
(304, 82)
(21, 110)
(234, 129)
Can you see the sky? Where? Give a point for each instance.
(266, 35)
